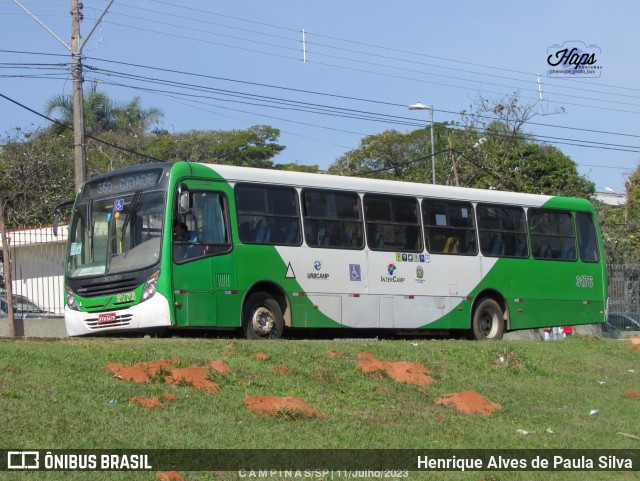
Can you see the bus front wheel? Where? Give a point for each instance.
(263, 317)
(488, 321)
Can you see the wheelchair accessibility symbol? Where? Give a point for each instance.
(354, 272)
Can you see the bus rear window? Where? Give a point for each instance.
(587, 239)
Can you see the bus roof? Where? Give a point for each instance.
(235, 174)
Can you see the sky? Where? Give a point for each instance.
(232, 64)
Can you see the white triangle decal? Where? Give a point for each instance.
(290, 274)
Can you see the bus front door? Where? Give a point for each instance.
(203, 260)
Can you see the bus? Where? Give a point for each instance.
(191, 245)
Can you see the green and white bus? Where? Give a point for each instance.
(181, 245)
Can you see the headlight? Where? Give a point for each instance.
(151, 286)
(71, 300)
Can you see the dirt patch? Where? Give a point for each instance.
(170, 476)
(154, 402)
(293, 407)
(631, 394)
(149, 403)
(195, 376)
(260, 356)
(281, 369)
(400, 371)
(142, 372)
(146, 372)
(469, 402)
(220, 367)
(333, 353)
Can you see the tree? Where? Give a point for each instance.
(621, 225)
(36, 174)
(102, 114)
(253, 147)
(389, 155)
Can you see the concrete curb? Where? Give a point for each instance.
(53, 327)
(41, 327)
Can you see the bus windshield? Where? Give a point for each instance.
(116, 234)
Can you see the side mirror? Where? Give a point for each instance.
(183, 203)
(183, 199)
(56, 210)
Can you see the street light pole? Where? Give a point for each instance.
(421, 106)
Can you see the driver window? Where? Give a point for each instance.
(204, 229)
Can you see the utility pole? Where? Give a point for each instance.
(7, 272)
(75, 47)
(79, 147)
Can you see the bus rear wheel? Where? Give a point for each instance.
(262, 317)
(488, 321)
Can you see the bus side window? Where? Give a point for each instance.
(392, 223)
(449, 227)
(552, 234)
(502, 231)
(267, 214)
(587, 240)
(332, 219)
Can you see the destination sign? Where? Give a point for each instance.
(122, 183)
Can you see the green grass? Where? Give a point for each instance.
(58, 395)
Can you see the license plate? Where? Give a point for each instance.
(107, 318)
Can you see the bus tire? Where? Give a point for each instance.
(262, 317)
(488, 321)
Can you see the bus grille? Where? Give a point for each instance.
(107, 288)
(121, 321)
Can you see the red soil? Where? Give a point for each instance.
(220, 367)
(144, 372)
(281, 369)
(150, 403)
(272, 405)
(632, 394)
(401, 371)
(195, 376)
(170, 476)
(469, 402)
(260, 356)
(154, 402)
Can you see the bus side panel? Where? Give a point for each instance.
(542, 293)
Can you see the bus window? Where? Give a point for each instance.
(203, 230)
(332, 219)
(449, 227)
(502, 231)
(552, 234)
(587, 237)
(392, 223)
(267, 215)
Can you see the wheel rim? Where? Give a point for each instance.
(263, 322)
(488, 323)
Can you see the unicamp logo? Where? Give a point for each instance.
(574, 58)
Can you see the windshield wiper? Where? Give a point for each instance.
(132, 208)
